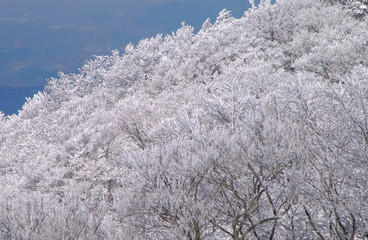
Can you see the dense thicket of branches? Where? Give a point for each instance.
(252, 128)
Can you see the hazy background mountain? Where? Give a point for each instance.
(40, 38)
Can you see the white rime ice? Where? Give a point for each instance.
(251, 128)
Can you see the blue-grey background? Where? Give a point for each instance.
(41, 37)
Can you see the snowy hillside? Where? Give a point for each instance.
(252, 128)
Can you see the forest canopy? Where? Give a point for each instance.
(251, 128)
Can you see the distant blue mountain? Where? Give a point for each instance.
(13, 98)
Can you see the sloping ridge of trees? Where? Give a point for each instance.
(251, 128)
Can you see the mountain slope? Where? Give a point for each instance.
(253, 128)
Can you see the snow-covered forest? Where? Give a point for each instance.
(251, 128)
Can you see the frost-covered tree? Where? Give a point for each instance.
(358, 8)
(251, 128)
